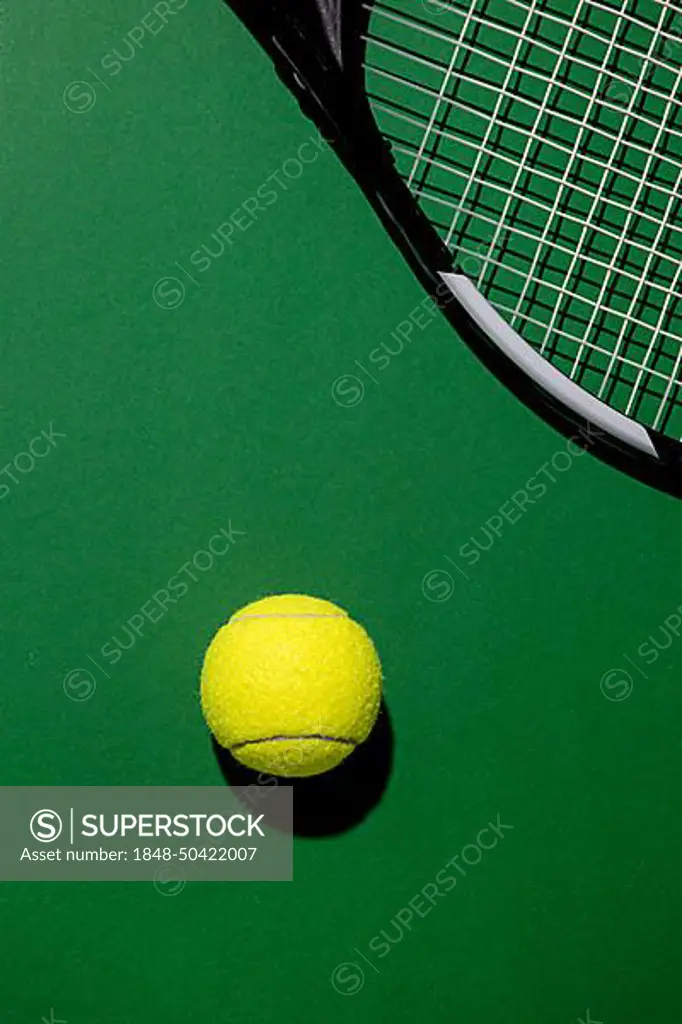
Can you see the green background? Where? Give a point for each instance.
(179, 421)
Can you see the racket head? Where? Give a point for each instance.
(323, 51)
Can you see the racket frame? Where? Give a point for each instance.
(317, 48)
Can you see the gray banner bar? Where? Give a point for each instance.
(168, 835)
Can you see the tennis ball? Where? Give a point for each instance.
(291, 685)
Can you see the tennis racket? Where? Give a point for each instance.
(526, 157)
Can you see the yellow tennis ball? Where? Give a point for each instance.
(291, 685)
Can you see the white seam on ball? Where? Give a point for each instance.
(287, 615)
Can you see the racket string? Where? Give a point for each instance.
(545, 149)
(579, 94)
(516, 230)
(609, 166)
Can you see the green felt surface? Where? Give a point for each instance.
(180, 421)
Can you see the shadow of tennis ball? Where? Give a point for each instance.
(327, 804)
